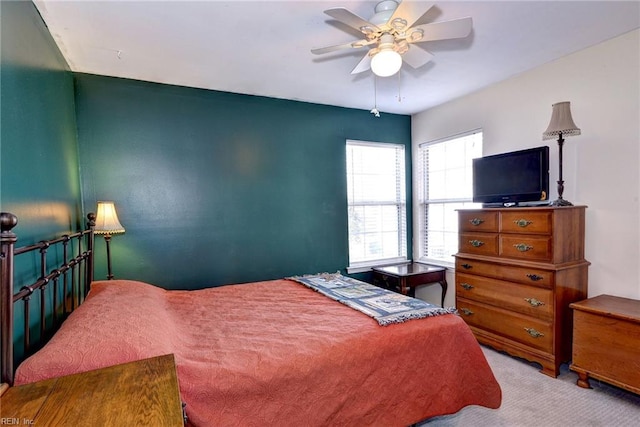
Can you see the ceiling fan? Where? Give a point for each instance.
(393, 37)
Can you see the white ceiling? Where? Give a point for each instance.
(262, 47)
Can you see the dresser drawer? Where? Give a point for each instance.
(478, 221)
(525, 275)
(478, 243)
(529, 300)
(533, 248)
(524, 329)
(526, 222)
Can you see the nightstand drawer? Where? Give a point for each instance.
(527, 330)
(478, 243)
(526, 222)
(478, 221)
(529, 300)
(525, 275)
(533, 248)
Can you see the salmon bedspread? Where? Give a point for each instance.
(275, 353)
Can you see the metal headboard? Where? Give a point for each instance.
(74, 273)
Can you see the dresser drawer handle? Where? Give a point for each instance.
(534, 333)
(522, 247)
(534, 277)
(466, 286)
(534, 302)
(476, 243)
(466, 311)
(476, 221)
(522, 222)
(466, 266)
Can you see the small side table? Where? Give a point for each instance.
(407, 277)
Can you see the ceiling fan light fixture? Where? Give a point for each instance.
(366, 30)
(386, 63)
(390, 33)
(399, 24)
(416, 35)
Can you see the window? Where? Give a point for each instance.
(445, 185)
(376, 204)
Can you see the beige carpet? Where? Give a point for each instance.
(530, 398)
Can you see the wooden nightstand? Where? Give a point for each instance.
(141, 393)
(407, 277)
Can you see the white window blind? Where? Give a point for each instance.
(445, 185)
(376, 204)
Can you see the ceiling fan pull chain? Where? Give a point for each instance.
(375, 111)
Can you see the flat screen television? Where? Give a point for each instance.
(510, 179)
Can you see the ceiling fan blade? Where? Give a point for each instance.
(363, 65)
(356, 44)
(454, 29)
(410, 11)
(416, 57)
(351, 19)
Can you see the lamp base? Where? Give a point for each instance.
(561, 202)
(107, 239)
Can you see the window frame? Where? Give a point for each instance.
(423, 200)
(401, 203)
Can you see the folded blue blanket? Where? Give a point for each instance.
(385, 306)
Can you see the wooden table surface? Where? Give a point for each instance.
(612, 306)
(141, 393)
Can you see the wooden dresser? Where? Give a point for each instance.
(606, 341)
(142, 393)
(517, 271)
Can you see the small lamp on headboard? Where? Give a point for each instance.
(561, 124)
(107, 223)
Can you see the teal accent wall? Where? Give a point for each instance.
(39, 178)
(215, 188)
(211, 187)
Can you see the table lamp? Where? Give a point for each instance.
(561, 124)
(107, 223)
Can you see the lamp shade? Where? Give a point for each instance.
(386, 63)
(107, 221)
(561, 122)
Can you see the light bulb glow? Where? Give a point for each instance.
(386, 63)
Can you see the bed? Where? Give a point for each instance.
(273, 353)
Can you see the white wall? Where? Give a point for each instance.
(600, 166)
